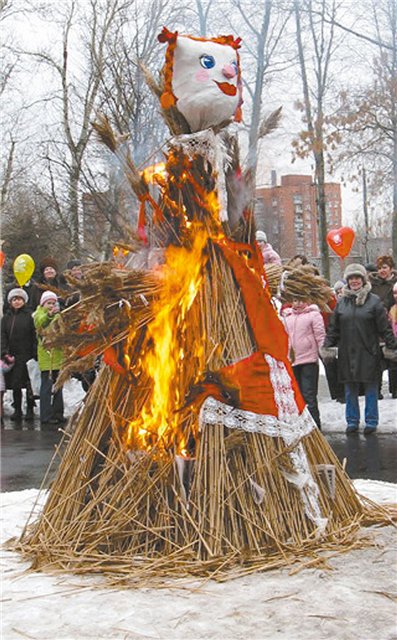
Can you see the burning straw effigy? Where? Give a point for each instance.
(193, 453)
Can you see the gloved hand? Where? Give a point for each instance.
(390, 354)
(328, 354)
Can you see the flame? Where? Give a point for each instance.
(170, 337)
(155, 173)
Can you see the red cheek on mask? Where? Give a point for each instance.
(202, 76)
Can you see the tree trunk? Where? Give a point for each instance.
(321, 203)
(74, 217)
(7, 175)
(316, 133)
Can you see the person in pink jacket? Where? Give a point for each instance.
(270, 256)
(306, 333)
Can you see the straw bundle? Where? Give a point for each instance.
(300, 282)
(140, 499)
(140, 517)
(113, 301)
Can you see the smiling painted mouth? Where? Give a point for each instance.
(227, 88)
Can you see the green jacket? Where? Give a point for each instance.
(48, 359)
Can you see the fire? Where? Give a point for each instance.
(155, 173)
(170, 337)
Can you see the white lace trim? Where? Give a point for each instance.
(284, 396)
(215, 412)
(287, 408)
(289, 425)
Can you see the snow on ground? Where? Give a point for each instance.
(333, 413)
(356, 599)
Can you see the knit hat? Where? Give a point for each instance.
(17, 293)
(48, 295)
(355, 269)
(339, 284)
(48, 262)
(73, 263)
(261, 236)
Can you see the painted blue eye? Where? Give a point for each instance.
(206, 61)
(235, 66)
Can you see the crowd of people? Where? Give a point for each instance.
(27, 311)
(356, 340)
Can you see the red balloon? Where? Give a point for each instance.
(2, 258)
(341, 240)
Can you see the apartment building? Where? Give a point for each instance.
(287, 213)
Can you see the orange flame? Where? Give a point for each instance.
(155, 173)
(171, 337)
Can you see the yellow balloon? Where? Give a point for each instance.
(23, 268)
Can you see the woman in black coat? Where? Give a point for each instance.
(49, 278)
(358, 323)
(18, 339)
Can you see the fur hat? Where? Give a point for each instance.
(355, 269)
(17, 293)
(261, 236)
(48, 295)
(48, 262)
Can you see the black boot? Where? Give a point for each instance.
(29, 415)
(16, 417)
(29, 418)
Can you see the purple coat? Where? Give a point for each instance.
(306, 333)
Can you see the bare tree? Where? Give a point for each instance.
(132, 109)
(30, 224)
(9, 62)
(367, 118)
(77, 92)
(203, 10)
(261, 28)
(315, 85)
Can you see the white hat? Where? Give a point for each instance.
(48, 295)
(339, 284)
(17, 293)
(261, 236)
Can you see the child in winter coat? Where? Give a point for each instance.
(306, 332)
(50, 362)
(18, 339)
(6, 364)
(270, 256)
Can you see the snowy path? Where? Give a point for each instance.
(356, 599)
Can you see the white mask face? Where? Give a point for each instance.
(204, 81)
